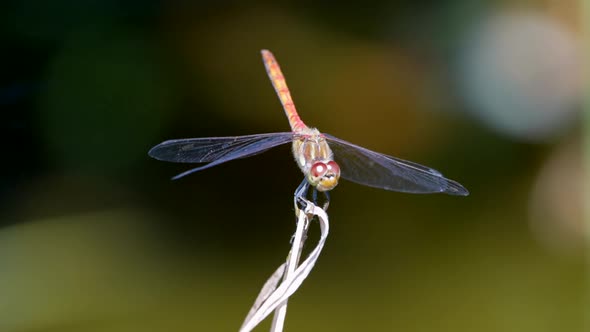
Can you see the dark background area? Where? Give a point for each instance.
(95, 236)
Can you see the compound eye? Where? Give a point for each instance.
(333, 166)
(318, 169)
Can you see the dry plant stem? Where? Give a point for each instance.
(292, 263)
(277, 289)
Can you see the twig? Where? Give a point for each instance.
(273, 295)
(292, 262)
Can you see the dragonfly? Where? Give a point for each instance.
(322, 158)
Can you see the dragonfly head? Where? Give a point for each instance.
(324, 176)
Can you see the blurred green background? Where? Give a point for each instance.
(95, 236)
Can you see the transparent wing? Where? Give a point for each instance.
(216, 150)
(373, 169)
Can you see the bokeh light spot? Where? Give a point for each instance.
(520, 74)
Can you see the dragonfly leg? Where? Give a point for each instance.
(299, 198)
(327, 201)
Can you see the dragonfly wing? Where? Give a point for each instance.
(369, 168)
(216, 150)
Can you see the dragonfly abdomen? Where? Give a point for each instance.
(278, 82)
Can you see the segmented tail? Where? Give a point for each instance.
(278, 82)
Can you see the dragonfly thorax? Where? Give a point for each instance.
(315, 159)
